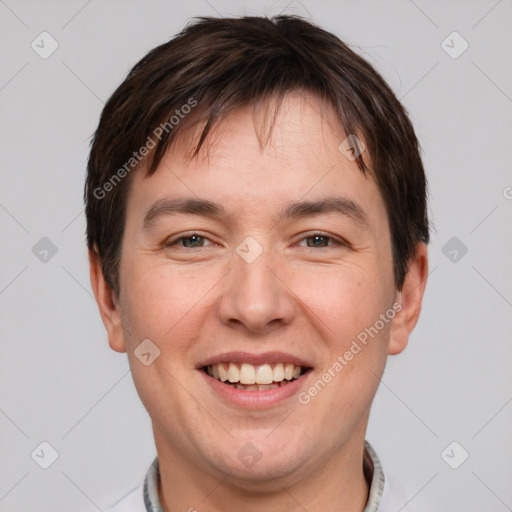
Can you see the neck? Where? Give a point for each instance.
(339, 484)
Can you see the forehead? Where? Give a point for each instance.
(254, 161)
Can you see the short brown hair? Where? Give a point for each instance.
(216, 65)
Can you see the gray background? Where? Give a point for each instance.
(60, 382)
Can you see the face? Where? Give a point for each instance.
(262, 267)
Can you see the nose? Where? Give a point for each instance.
(255, 296)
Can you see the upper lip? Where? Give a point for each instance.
(254, 359)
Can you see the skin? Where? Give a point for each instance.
(202, 299)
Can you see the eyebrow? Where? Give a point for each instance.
(334, 204)
(291, 210)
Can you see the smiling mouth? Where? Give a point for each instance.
(255, 377)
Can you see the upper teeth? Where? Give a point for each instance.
(249, 374)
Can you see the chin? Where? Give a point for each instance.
(261, 460)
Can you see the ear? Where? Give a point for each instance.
(107, 303)
(410, 297)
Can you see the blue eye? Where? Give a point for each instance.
(321, 240)
(189, 242)
(318, 241)
(196, 241)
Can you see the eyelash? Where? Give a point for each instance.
(320, 234)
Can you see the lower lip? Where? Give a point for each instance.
(255, 399)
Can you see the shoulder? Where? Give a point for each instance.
(392, 497)
(131, 502)
(395, 497)
(387, 494)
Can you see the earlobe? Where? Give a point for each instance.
(107, 304)
(410, 297)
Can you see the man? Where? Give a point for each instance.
(257, 231)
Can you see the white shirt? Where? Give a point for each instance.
(383, 495)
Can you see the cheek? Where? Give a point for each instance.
(344, 300)
(161, 302)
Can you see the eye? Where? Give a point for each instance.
(197, 241)
(189, 241)
(322, 240)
